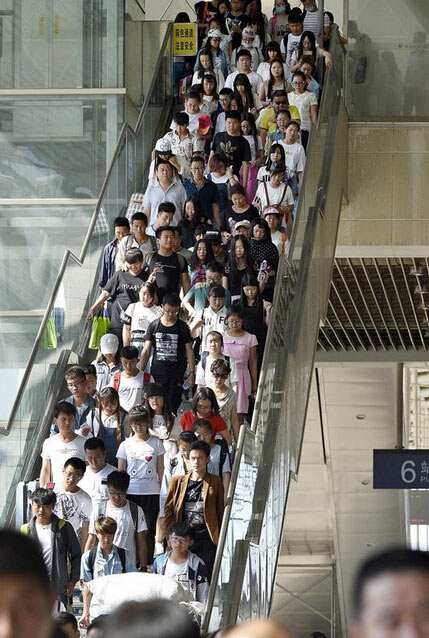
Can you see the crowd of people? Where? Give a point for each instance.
(390, 599)
(130, 480)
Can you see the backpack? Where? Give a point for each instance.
(134, 515)
(25, 528)
(93, 553)
(117, 379)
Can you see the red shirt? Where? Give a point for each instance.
(188, 419)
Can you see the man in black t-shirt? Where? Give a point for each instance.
(171, 340)
(123, 288)
(167, 269)
(232, 144)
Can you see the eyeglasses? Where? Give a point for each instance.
(178, 539)
(71, 475)
(298, 83)
(216, 375)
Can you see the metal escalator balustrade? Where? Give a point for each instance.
(77, 281)
(269, 451)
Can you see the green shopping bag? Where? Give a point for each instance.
(49, 339)
(100, 326)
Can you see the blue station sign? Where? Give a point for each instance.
(400, 469)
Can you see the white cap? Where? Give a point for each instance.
(163, 146)
(214, 33)
(109, 344)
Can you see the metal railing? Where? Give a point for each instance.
(69, 255)
(269, 451)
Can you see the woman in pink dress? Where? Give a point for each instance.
(240, 346)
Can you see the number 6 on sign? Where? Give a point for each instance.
(408, 474)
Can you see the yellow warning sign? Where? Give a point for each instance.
(184, 39)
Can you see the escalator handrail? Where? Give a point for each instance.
(285, 269)
(70, 255)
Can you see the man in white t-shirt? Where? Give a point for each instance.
(94, 481)
(62, 446)
(131, 379)
(294, 151)
(73, 504)
(244, 62)
(58, 542)
(291, 40)
(131, 530)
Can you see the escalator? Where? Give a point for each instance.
(32, 392)
(269, 450)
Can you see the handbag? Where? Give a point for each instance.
(100, 326)
(49, 340)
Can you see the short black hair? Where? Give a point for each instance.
(187, 437)
(172, 299)
(167, 207)
(121, 221)
(65, 618)
(226, 91)
(390, 561)
(76, 463)
(94, 443)
(22, 556)
(237, 189)
(197, 158)
(42, 496)
(214, 266)
(232, 115)
(295, 16)
(74, 372)
(244, 53)
(89, 368)
(99, 623)
(202, 423)
(181, 118)
(64, 407)
(130, 352)
(201, 445)
(161, 229)
(119, 480)
(182, 529)
(152, 619)
(133, 255)
(192, 95)
(139, 217)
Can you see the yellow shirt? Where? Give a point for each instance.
(271, 126)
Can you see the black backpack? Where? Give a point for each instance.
(93, 553)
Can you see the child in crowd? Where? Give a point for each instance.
(107, 361)
(108, 422)
(130, 381)
(181, 564)
(142, 456)
(104, 559)
(219, 455)
(131, 524)
(73, 504)
(59, 447)
(161, 418)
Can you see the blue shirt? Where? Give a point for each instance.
(103, 567)
(107, 264)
